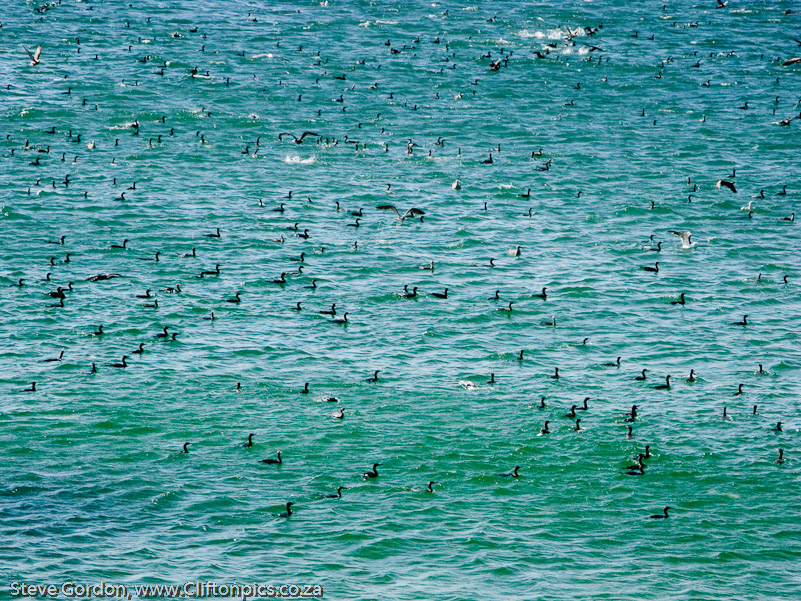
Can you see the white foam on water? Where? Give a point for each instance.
(295, 160)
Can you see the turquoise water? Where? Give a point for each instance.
(94, 485)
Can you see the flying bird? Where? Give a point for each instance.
(686, 238)
(35, 55)
(727, 184)
(295, 139)
(413, 211)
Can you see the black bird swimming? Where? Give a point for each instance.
(545, 429)
(633, 414)
(373, 473)
(288, 512)
(665, 386)
(744, 322)
(122, 364)
(778, 427)
(541, 295)
(512, 474)
(680, 301)
(661, 516)
(654, 269)
(440, 294)
(374, 378)
(249, 443)
(186, 444)
(638, 465)
(337, 495)
(641, 377)
(278, 461)
(214, 235)
(614, 364)
(412, 294)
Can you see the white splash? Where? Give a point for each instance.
(295, 159)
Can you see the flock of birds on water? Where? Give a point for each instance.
(54, 148)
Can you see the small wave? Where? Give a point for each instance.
(364, 24)
(378, 21)
(263, 55)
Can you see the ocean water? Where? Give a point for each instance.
(94, 485)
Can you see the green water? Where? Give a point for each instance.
(94, 485)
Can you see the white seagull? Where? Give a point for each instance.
(34, 55)
(686, 238)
